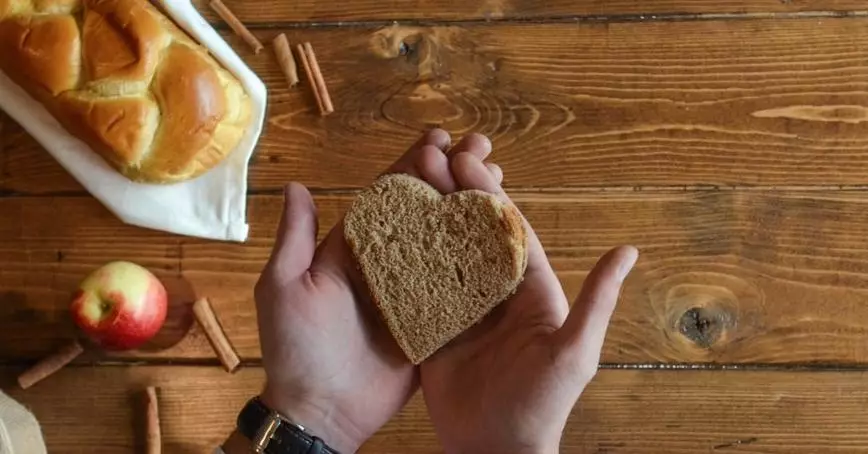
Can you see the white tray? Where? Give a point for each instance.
(211, 206)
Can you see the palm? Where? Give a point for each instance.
(347, 367)
(509, 383)
(490, 379)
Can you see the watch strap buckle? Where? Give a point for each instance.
(266, 432)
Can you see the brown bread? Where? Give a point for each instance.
(435, 265)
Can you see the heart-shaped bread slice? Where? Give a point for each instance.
(435, 265)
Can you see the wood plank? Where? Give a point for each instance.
(588, 105)
(725, 277)
(259, 11)
(622, 411)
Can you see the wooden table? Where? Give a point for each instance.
(728, 140)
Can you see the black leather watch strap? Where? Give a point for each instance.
(287, 439)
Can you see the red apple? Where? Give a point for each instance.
(120, 306)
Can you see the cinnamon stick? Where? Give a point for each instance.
(154, 436)
(237, 26)
(50, 364)
(209, 323)
(326, 106)
(285, 59)
(308, 72)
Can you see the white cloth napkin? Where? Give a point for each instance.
(211, 206)
(19, 430)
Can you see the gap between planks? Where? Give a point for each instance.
(519, 190)
(673, 367)
(555, 19)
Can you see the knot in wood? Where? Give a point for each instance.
(702, 325)
(407, 42)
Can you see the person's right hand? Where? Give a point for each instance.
(508, 384)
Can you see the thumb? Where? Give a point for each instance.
(584, 331)
(296, 234)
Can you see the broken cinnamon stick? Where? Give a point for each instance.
(285, 59)
(326, 106)
(152, 411)
(237, 26)
(308, 72)
(50, 364)
(216, 336)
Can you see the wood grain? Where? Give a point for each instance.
(729, 277)
(622, 411)
(746, 119)
(259, 11)
(588, 105)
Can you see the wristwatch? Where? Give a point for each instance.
(273, 433)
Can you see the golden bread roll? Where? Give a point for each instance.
(119, 75)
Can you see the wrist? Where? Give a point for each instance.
(317, 419)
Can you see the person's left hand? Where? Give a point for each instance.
(331, 366)
(509, 383)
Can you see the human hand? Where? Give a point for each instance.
(508, 384)
(330, 364)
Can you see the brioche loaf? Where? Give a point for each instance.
(435, 265)
(119, 75)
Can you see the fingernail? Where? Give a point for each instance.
(627, 263)
(486, 144)
(440, 139)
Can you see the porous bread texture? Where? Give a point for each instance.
(435, 265)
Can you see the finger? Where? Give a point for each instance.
(584, 331)
(476, 144)
(296, 234)
(437, 138)
(432, 166)
(496, 172)
(471, 173)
